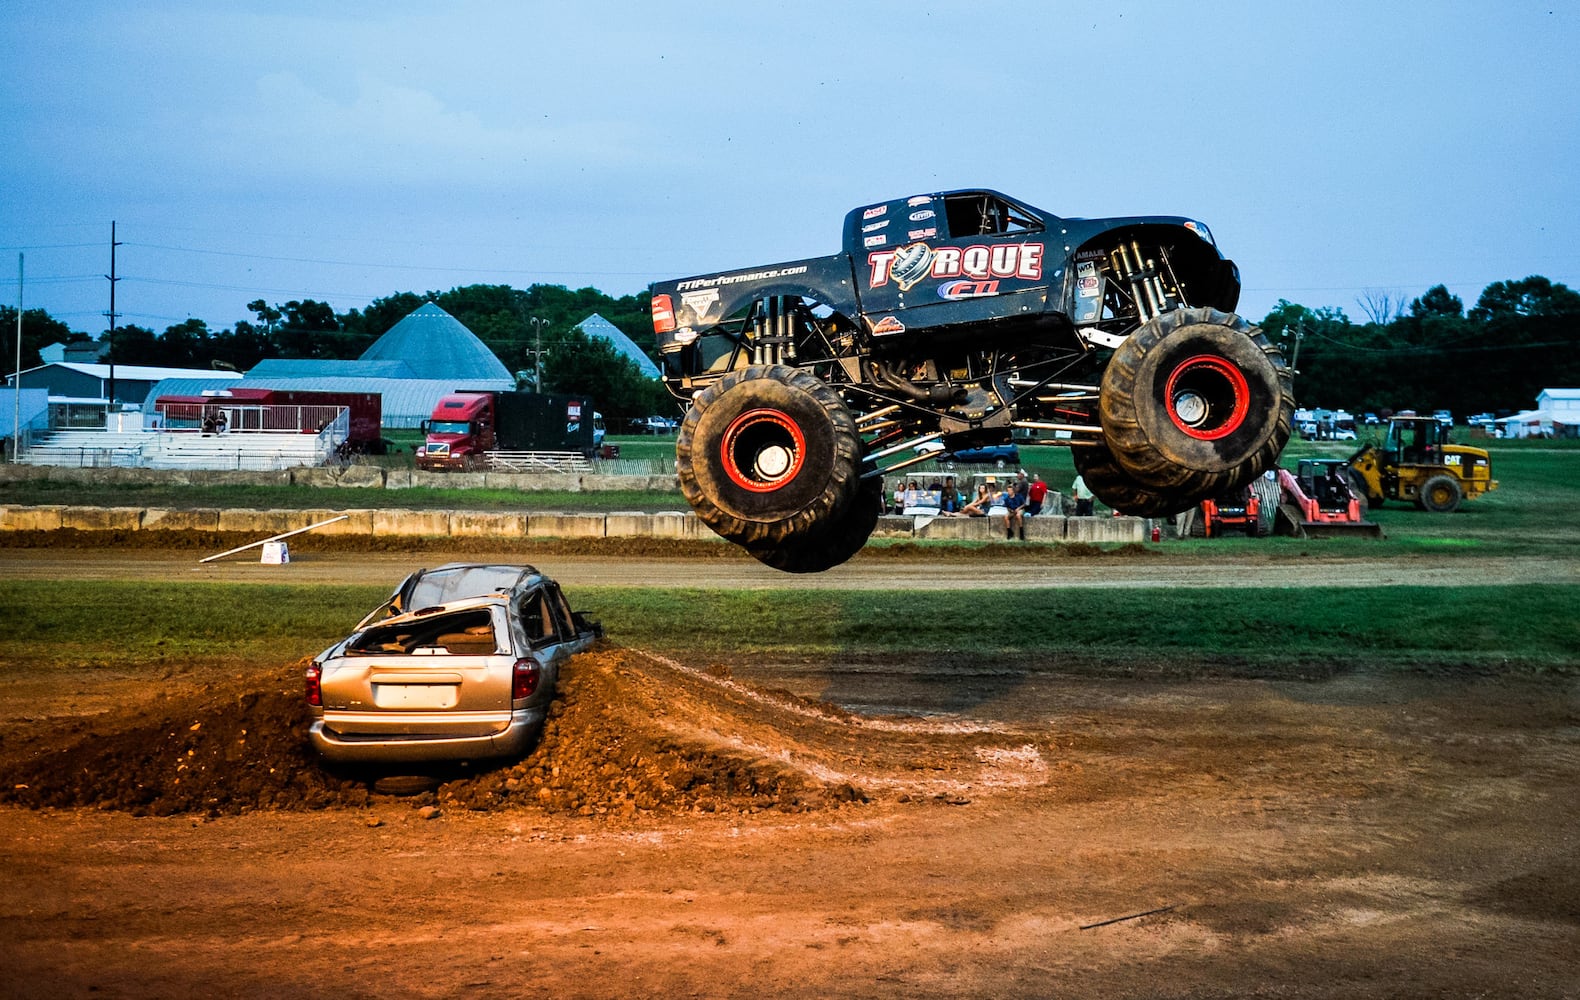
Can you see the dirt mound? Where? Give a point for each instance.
(627, 735)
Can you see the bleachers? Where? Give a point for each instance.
(260, 452)
(87, 449)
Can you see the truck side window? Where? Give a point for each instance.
(984, 215)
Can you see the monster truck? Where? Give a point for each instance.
(959, 317)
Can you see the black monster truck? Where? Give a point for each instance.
(959, 317)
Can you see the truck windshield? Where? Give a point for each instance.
(449, 427)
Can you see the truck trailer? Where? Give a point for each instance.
(469, 430)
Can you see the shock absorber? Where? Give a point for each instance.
(1146, 282)
(771, 331)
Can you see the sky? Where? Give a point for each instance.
(1340, 152)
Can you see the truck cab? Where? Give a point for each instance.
(460, 430)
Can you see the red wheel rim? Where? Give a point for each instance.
(762, 450)
(1207, 397)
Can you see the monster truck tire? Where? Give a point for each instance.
(840, 539)
(1116, 488)
(767, 455)
(1440, 495)
(1196, 401)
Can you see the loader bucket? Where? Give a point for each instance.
(1291, 522)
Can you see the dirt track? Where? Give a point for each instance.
(684, 832)
(1011, 567)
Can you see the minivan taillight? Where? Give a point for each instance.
(524, 679)
(315, 691)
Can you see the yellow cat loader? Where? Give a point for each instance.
(1416, 463)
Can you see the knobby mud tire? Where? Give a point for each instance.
(1243, 396)
(768, 455)
(841, 539)
(1119, 490)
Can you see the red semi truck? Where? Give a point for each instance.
(468, 426)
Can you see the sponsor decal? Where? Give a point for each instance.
(923, 216)
(573, 411)
(700, 304)
(874, 211)
(913, 262)
(1087, 284)
(887, 325)
(735, 279)
(875, 241)
(922, 234)
(1090, 255)
(921, 199)
(873, 227)
(967, 288)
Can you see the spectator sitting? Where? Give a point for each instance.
(949, 500)
(979, 506)
(1014, 501)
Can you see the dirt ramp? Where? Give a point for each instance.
(632, 734)
(627, 735)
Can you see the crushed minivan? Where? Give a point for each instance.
(460, 663)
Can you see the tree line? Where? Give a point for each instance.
(499, 315)
(1519, 338)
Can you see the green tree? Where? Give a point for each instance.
(39, 329)
(133, 345)
(186, 345)
(590, 366)
(1533, 296)
(1437, 301)
(241, 347)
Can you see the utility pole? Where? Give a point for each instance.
(16, 425)
(537, 352)
(112, 314)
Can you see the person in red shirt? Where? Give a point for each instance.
(1034, 496)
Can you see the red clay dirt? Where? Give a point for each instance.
(679, 832)
(697, 829)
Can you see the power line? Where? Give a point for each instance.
(375, 264)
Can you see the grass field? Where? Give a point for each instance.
(64, 625)
(128, 626)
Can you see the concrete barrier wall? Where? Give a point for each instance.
(395, 522)
(351, 476)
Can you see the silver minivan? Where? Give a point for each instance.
(459, 664)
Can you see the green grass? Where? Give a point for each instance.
(126, 625)
(134, 625)
(187, 497)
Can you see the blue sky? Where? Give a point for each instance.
(344, 152)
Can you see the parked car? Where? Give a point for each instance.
(1343, 434)
(1444, 417)
(654, 425)
(1000, 455)
(459, 664)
